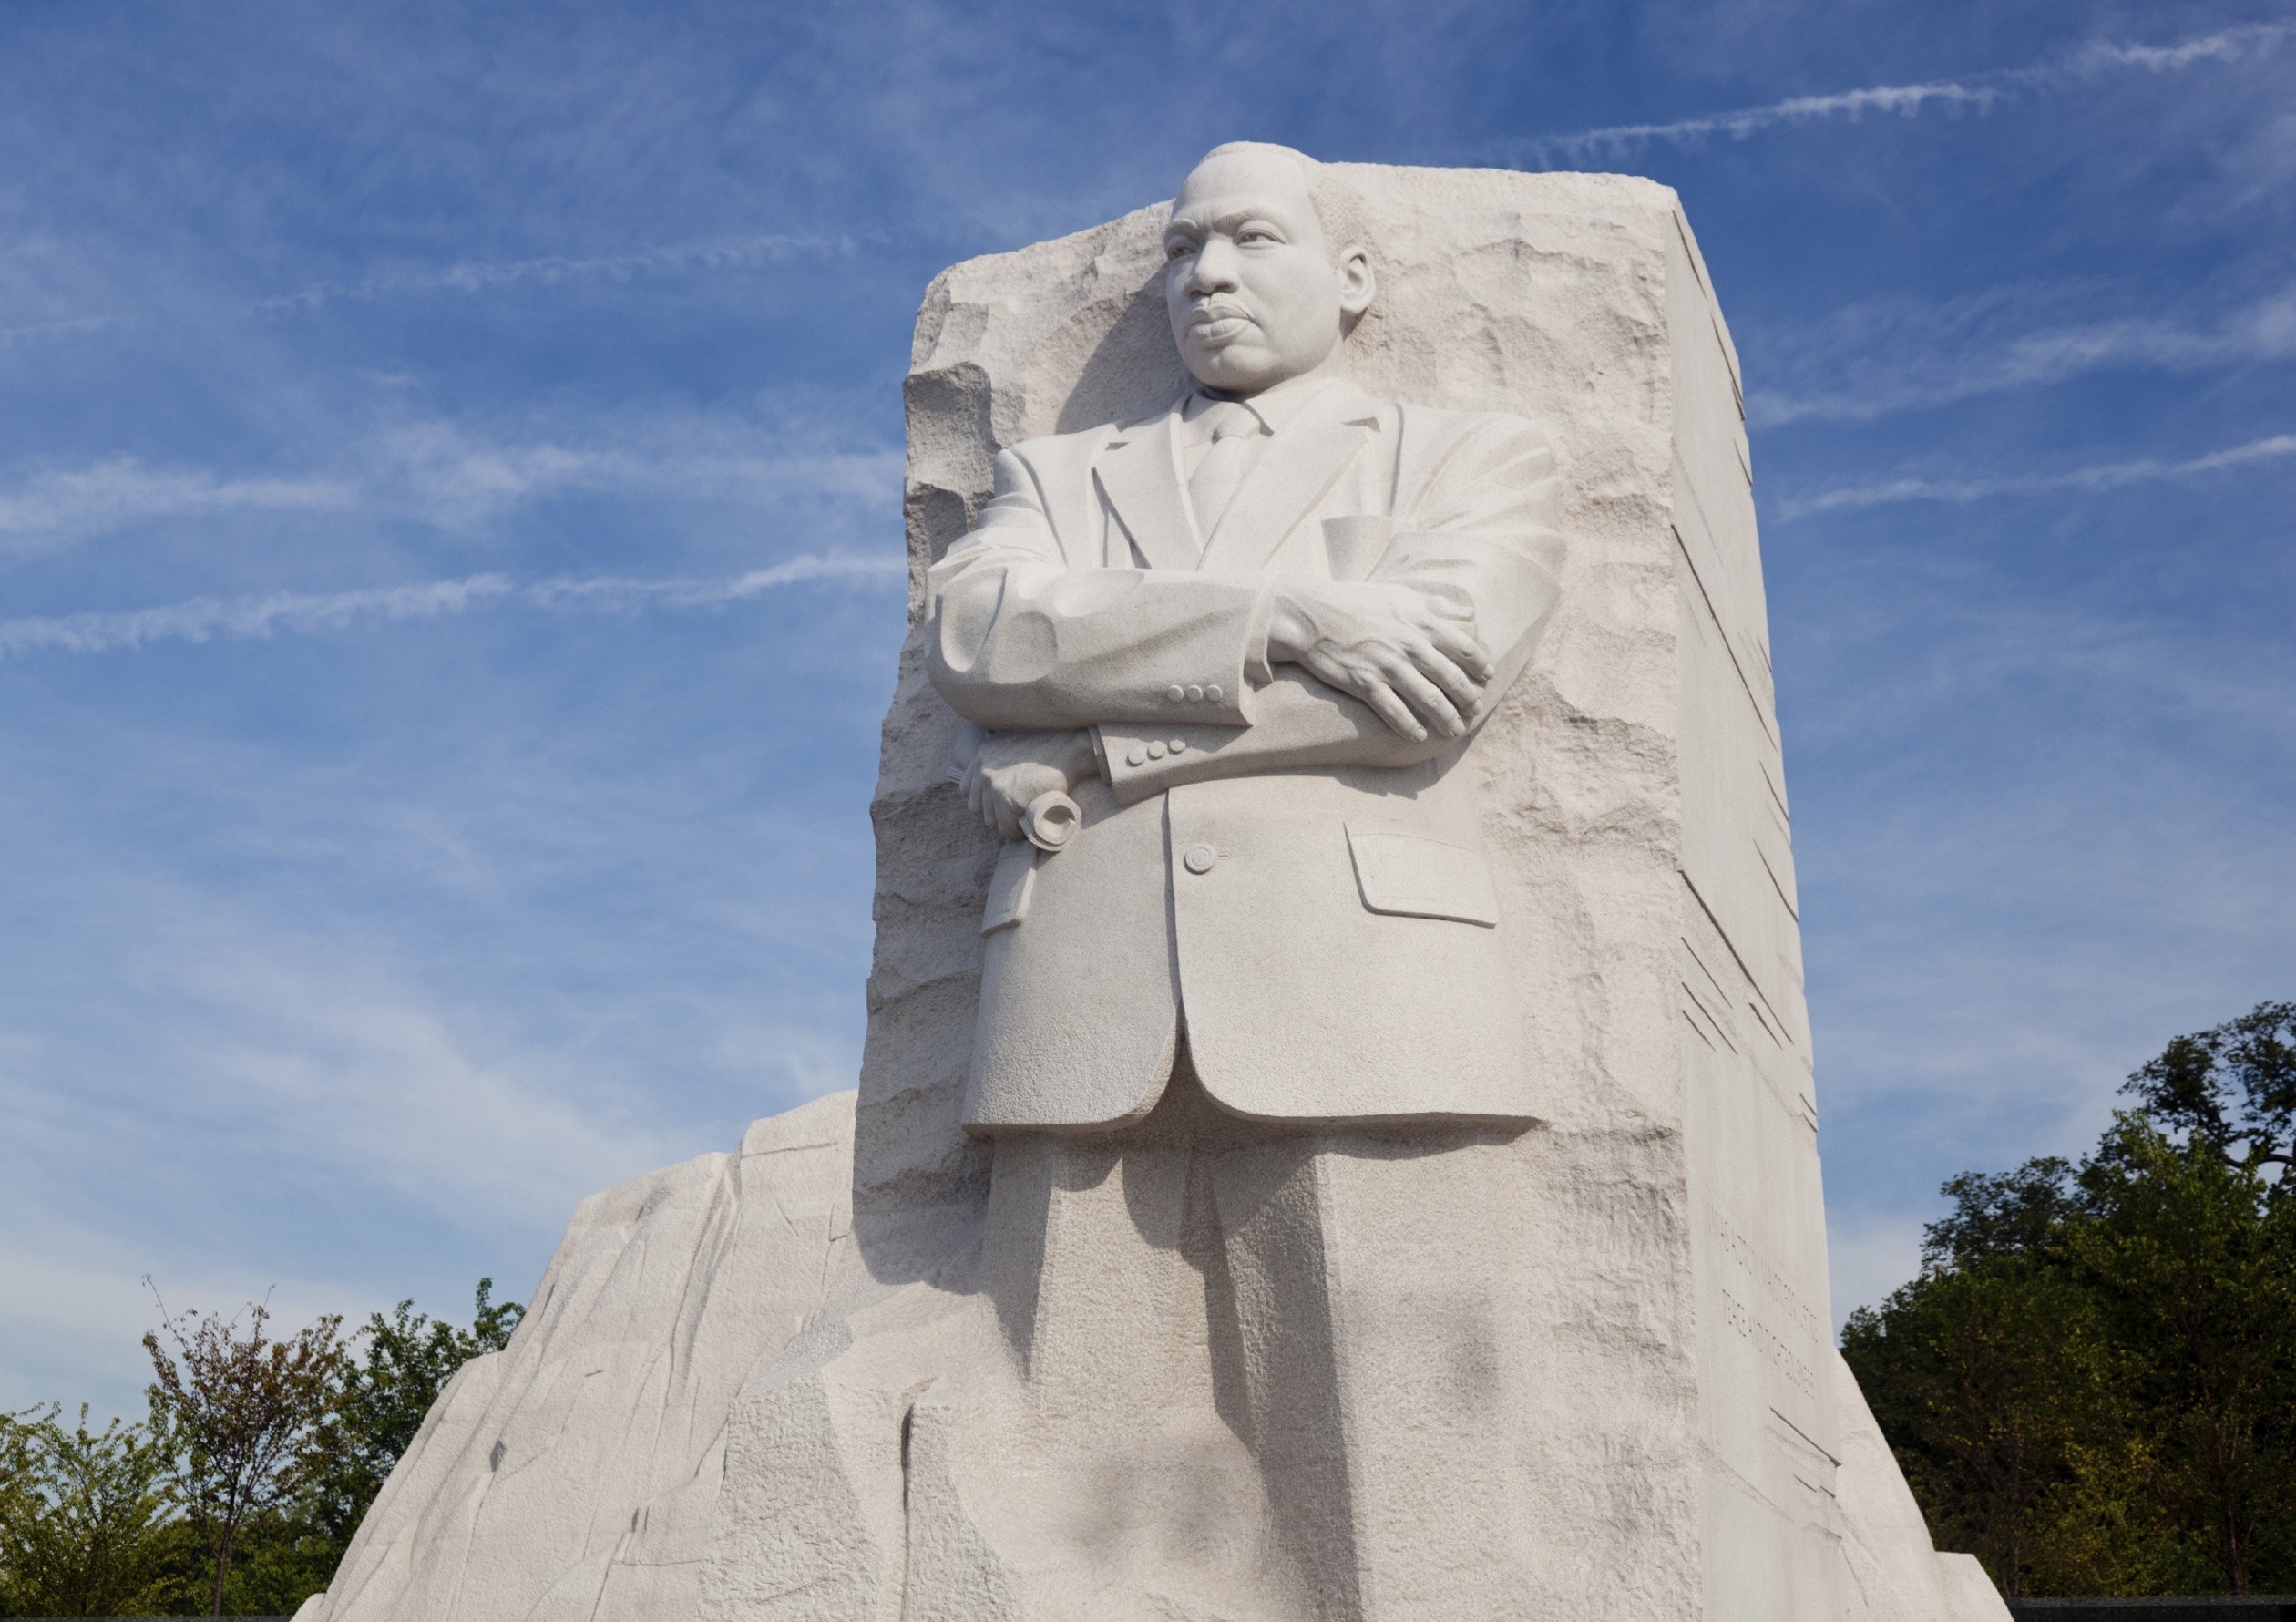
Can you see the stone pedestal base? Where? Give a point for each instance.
(899, 1462)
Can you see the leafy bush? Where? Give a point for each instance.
(2092, 1385)
(240, 1493)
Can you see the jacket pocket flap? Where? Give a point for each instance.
(1420, 878)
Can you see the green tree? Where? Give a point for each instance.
(1990, 1371)
(2020, 1213)
(242, 1492)
(2194, 1260)
(19, 1500)
(2232, 1088)
(277, 1561)
(244, 1417)
(2092, 1381)
(85, 1533)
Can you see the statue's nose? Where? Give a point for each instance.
(1214, 266)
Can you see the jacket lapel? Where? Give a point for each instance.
(1138, 473)
(1298, 466)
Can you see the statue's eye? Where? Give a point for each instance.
(1178, 249)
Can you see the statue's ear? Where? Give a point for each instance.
(1359, 283)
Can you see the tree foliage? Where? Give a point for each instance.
(240, 1493)
(2092, 1384)
(84, 1531)
(17, 1468)
(2232, 1088)
(2193, 1261)
(2018, 1213)
(1986, 1370)
(245, 1415)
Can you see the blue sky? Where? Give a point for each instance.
(449, 560)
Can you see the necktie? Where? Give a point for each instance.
(1212, 485)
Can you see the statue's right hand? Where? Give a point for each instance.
(1408, 655)
(1009, 770)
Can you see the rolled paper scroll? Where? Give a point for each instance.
(1050, 820)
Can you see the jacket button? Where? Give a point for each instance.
(1213, 693)
(1175, 693)
(1132, 757)
(1177, 745)
(1195, 693)
(1155, 751)
(1200, 858)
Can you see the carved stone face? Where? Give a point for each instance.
(1249, 282)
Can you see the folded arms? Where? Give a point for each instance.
(1176, 676)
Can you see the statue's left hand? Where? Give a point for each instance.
(1012, 768)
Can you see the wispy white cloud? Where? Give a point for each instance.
(354, 1070)
(1868, 362)
(440, 473)
(34, 332)
(2229, 45)
(487, 275)
(206, 619)
(79, 1306)
(614, 592)
(1905, 100)
(1975, 92)
(2102, 476)
(490, 275)
(54, 507)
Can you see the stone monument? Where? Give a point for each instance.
(1335, 1138)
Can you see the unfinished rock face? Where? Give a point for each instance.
(734, 1398)
(574, 1474)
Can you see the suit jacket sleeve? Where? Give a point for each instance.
(1024, 635)
(1480, 529)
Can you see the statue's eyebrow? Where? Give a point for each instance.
(1249, 214)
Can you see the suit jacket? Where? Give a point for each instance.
(1262, 859)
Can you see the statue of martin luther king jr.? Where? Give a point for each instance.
(1254, 636)
(1246, 1044)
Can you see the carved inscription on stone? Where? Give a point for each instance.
(1760, 1284)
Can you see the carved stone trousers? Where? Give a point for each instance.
(1264, 1363)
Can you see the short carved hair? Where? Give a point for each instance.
(1337, 209)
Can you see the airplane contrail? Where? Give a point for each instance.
(206, 618)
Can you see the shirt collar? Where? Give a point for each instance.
(1275, 407)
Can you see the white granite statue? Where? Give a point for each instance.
(1339, 1143)
(1253, 632)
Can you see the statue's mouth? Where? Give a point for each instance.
(1218, 324)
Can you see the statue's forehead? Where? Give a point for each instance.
(1241, 183)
